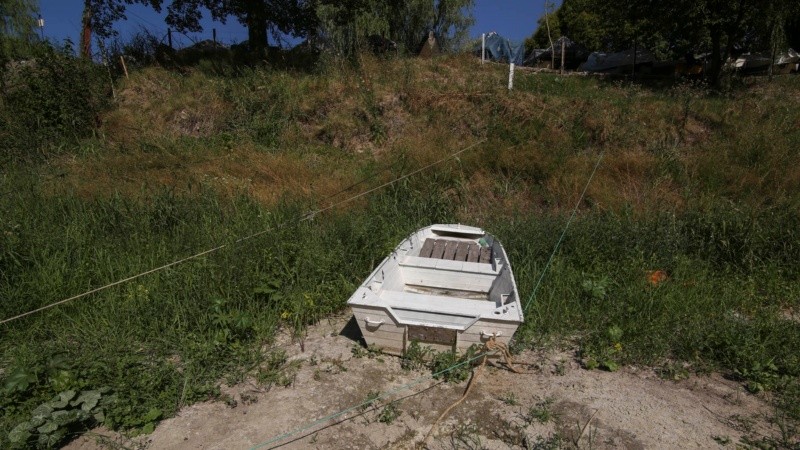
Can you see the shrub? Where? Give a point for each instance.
(49, 101)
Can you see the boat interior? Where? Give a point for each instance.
(446, 276)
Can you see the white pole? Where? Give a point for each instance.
(511, 76)
(483, 47)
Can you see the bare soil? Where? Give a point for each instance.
(553, 404)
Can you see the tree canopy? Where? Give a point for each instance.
(103, 13)
(345, 24)
(17, 21)
(677, 28)
(263, 18)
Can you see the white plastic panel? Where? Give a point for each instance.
(451, 321)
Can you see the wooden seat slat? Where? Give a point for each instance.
(462, 251)
(486, 255)
(426, 249)
(474, 253)
(450, 250)
(438, 248)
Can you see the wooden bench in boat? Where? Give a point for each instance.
(455, 251)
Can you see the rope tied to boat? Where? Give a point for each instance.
(492, 346)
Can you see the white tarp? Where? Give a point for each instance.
(789, 57)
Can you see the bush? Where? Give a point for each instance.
(48, 101)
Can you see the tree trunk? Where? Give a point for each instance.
(86, 31)
(715, 68)
(257, 27)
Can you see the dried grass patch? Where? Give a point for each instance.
(156, 103)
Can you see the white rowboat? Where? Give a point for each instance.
(446, 287)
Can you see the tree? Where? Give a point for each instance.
(548, 30)
(724, 26)
(103, 13)
(450, 22)
(679, 27)
(792, 30)
(99, 17)
(17, 32)
(345, 24)
(261, 17)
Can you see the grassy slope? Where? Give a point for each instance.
(704, 187)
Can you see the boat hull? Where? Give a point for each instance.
(394, 337)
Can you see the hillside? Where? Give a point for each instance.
(271, 132)
(702, 186)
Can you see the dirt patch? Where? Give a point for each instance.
(554, 402)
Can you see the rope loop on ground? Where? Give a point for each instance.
(492, 346)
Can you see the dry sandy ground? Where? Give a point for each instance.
(554, 404)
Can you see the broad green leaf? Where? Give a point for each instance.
(61, 379)
(59, 361)
(42, 411)
(19, 379)
(62, 399)
(148, 428)
(611, 366)
(108, 399)
(49, 440)
(20, 434)
(48, 427)
(88, 400)
(38, 421)
(152, 415)
(66, 417)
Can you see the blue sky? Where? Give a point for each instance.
(514, 19)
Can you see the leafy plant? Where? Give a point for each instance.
(232, 325)
(466, 436)
(275, 370)
(371, 351)
(389, 413)
(759, 377)
(509, 399)
(415, 356)
(452, 367)
(596, 288)
(370, 398)
(541, 412)
(673, 371)
(52, 421)
(605, 354)
(19, 380)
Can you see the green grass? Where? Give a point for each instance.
(165, 340)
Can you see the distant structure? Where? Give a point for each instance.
(429, 47)
(500, 49)
(574, 55)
